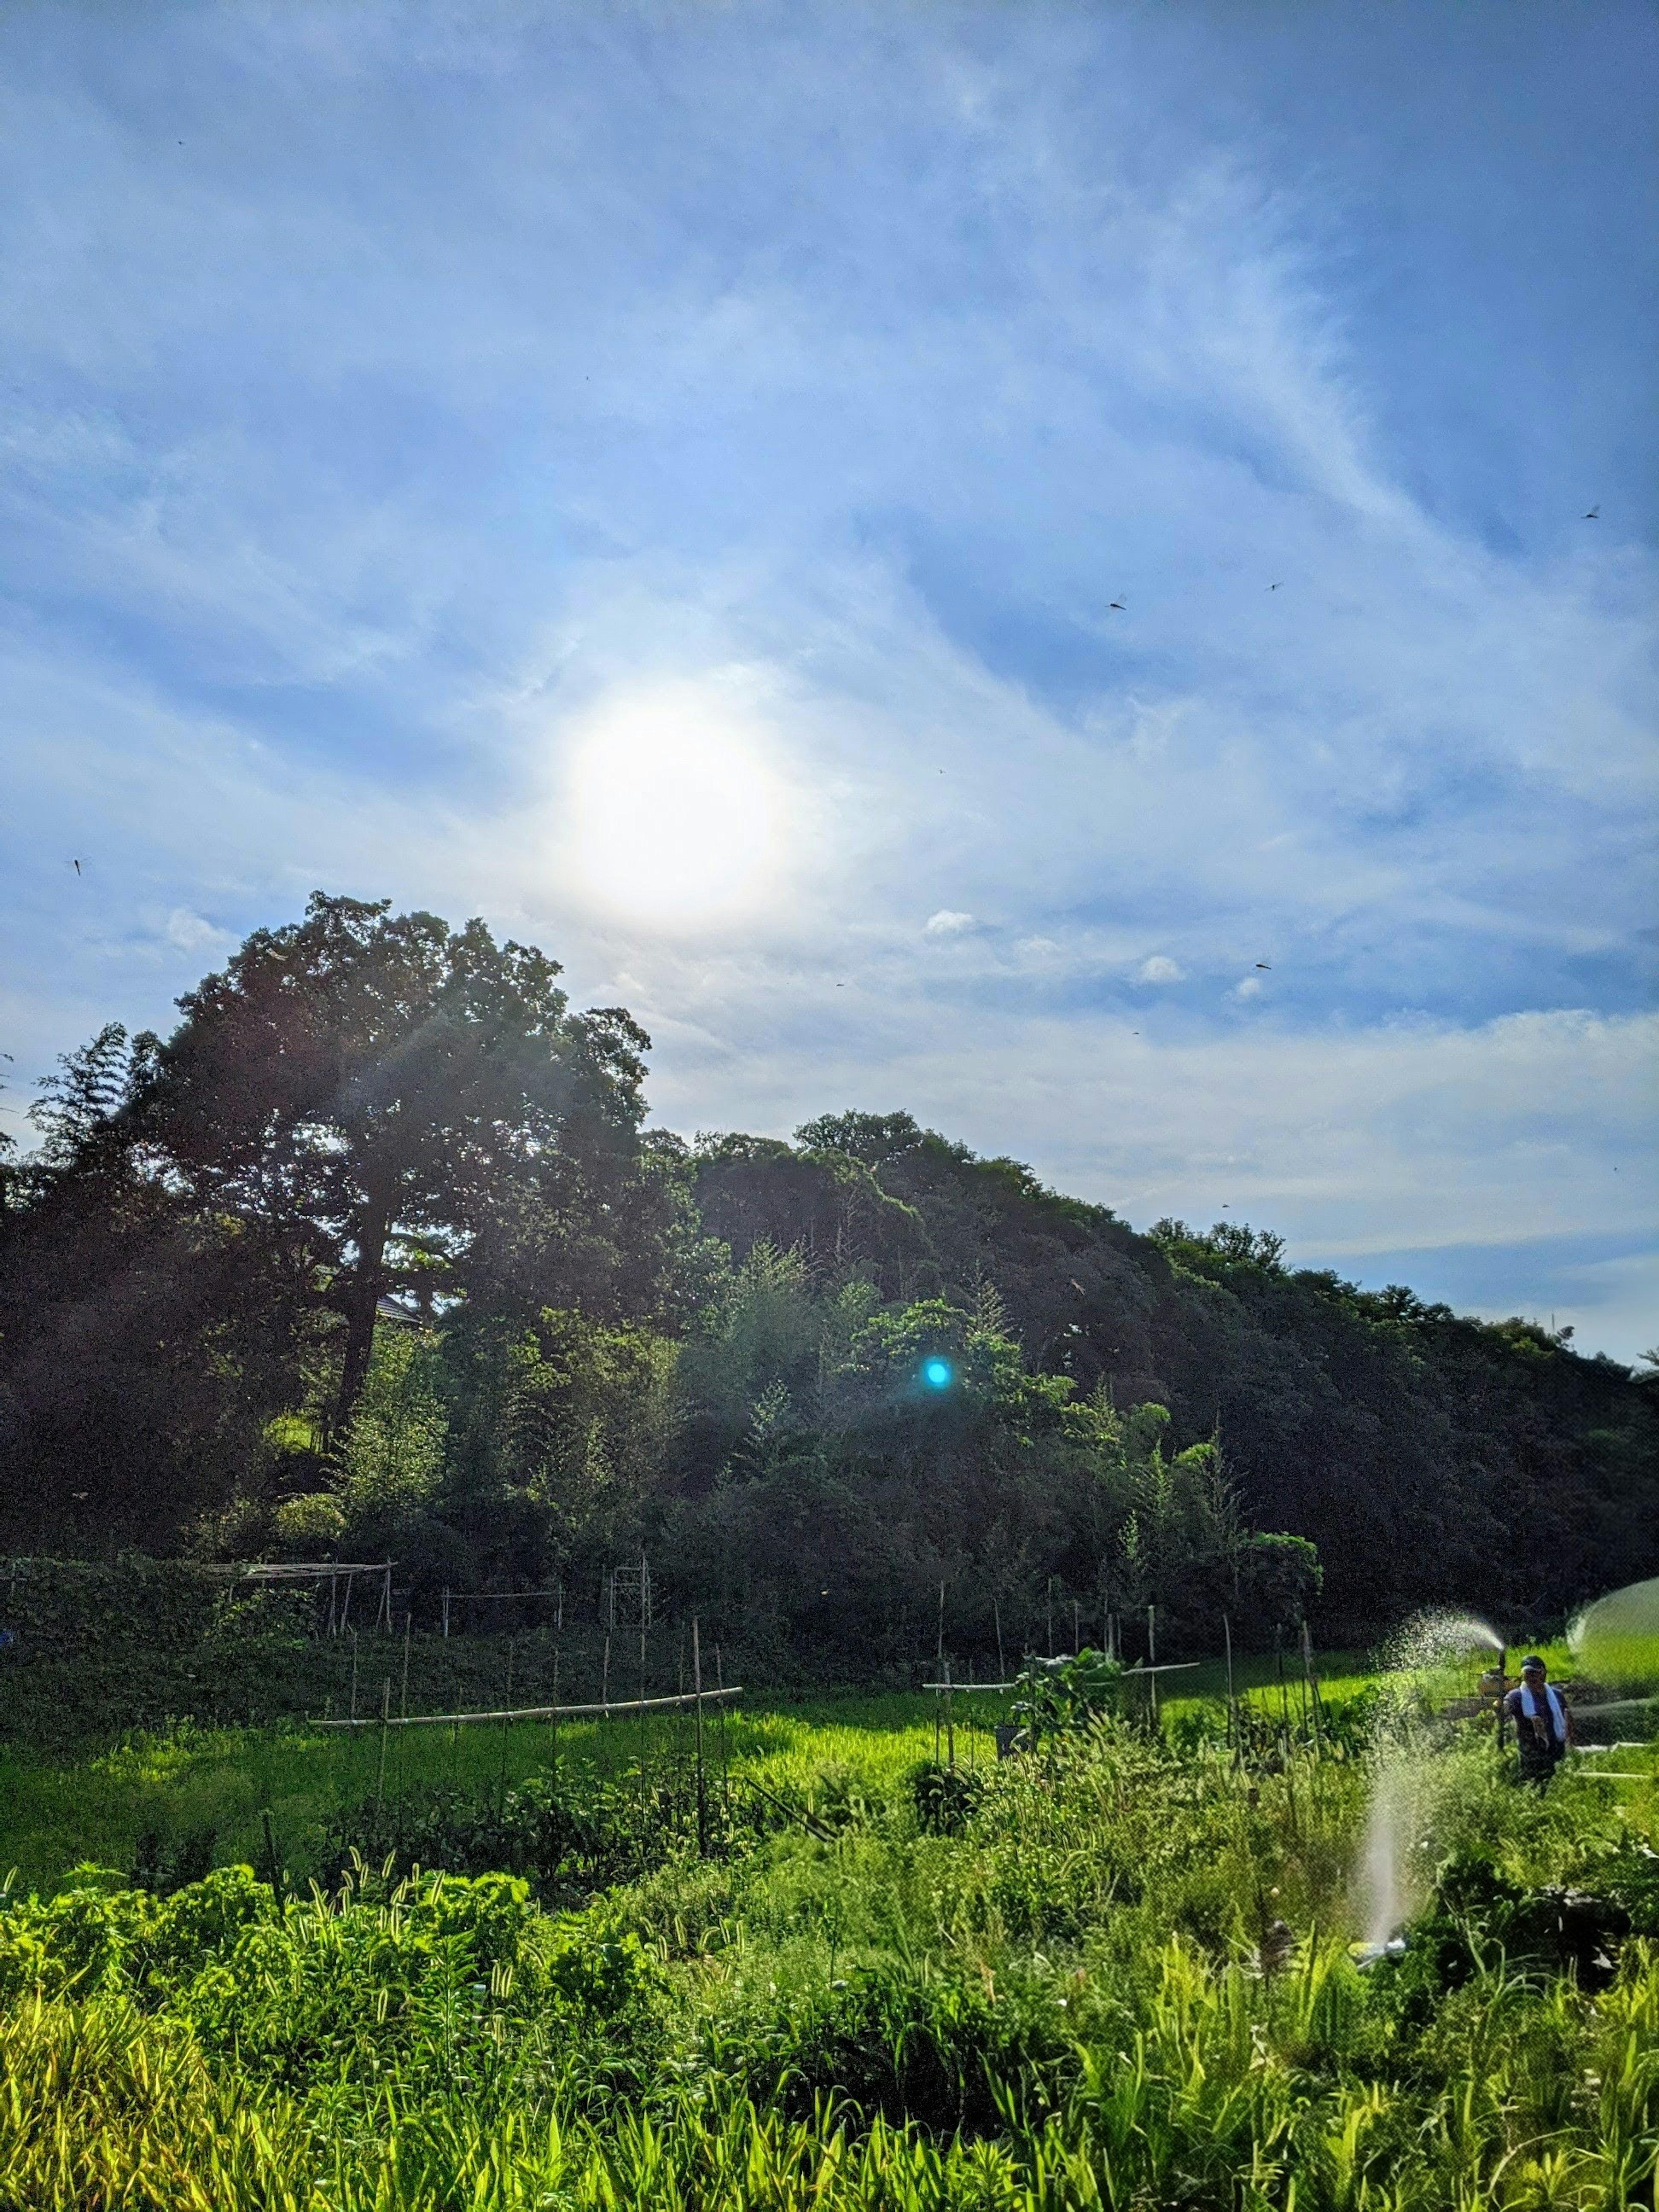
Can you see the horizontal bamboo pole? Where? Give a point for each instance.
(533, 1712)
(1128, 1675)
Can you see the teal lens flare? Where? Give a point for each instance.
(936, 1374)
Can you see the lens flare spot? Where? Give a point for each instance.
(936, 1374)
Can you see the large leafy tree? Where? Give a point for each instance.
(391, 1105)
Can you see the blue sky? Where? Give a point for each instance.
(658, 478)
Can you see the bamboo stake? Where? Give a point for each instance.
(273, 1861)
(1232, 1708)
(533, 1712)
(702, 1798)
(555, 1714)
(1311, 1688)
(506, 1715)
(643, 1718)
(386, 1718)
(726, 1783)
(403, 1700)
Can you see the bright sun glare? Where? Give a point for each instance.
(676, 815)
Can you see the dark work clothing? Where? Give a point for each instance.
(1540, 1738)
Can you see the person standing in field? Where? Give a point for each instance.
(1543, 1722)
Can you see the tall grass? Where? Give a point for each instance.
(1113, 1975)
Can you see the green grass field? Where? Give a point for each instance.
(94, 1806)
(1121, 1972)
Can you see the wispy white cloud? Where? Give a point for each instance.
(462, 383)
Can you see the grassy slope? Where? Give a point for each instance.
(60, 1810)
(1085, 1949)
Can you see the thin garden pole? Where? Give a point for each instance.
(385, 1716)
(1077, 1628)
(1232, 1710)
(643, 1721)
(446, 1613)
(702, 1798)
(555, 1706)
(726, 1784)
(604, 1673)
(1002, 1664)
(403, 1706)
(950, 1724)
(272, 1860)
(1312, 1681)
(1151, 1657)
(511, 1652)
(353, 1708)
(1048, 1601)
(938, 1675)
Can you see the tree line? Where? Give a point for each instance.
(375, 1254)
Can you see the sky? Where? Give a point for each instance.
(1088, 572)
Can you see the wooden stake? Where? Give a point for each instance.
(1232, 1709)
(272, 1861)
(1310, 1687)
(511, 1653)
(403, 1701)
(385, 1716)
(702, 1798)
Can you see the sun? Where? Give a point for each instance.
(676, 813)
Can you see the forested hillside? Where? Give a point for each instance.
(374, 1256)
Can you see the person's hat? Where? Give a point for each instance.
(1532, 1660)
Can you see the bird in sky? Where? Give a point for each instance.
(1594, 514)
(77, 867)
(1264, 963)
(1117, 607)
(1278, 586)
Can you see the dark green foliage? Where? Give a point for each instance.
(943, 1797)
(566, 1843)
(602, 1341)
(897, 2038)
(1479, 1915)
